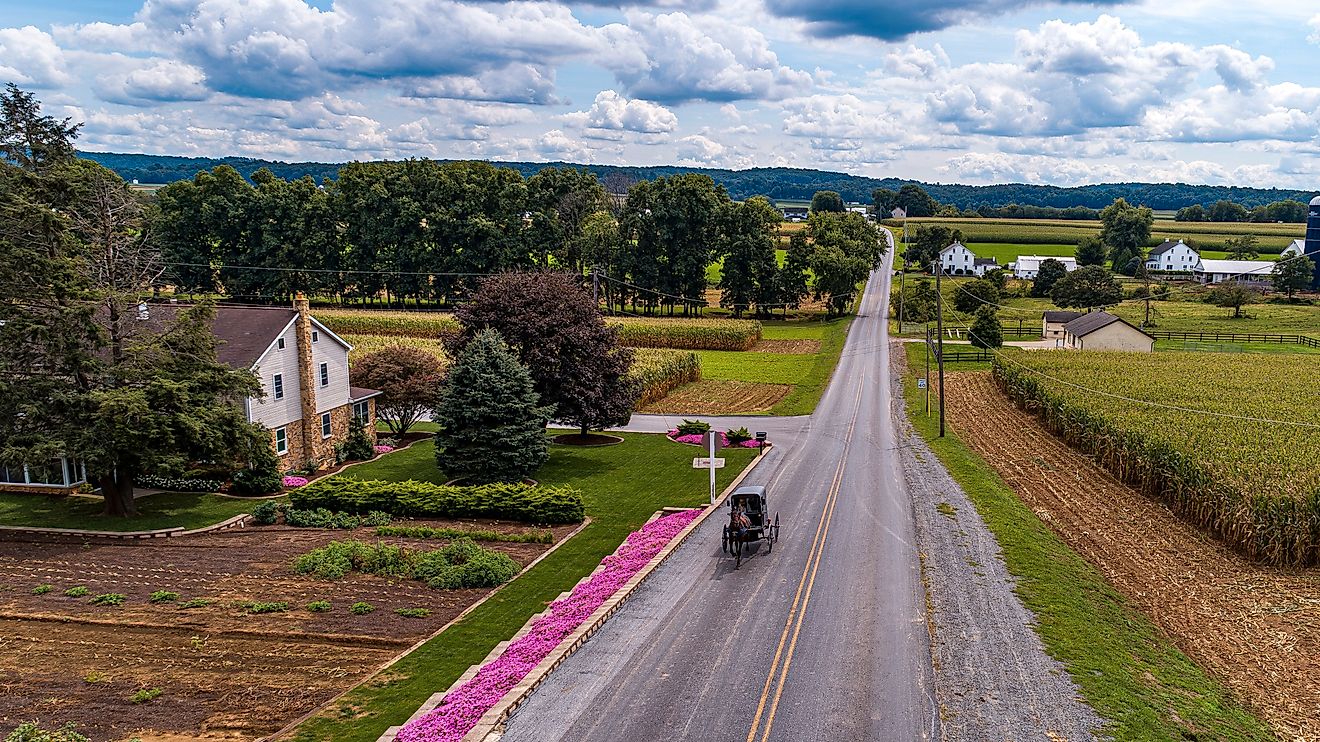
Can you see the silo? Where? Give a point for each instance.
(1312, 248)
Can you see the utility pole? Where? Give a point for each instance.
(939, 324)
(928, 341)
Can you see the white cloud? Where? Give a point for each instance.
(156, 81)
(674, 57)
(1314, 23)
(30, 56)
(612, 112)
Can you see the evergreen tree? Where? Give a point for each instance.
(555, 330)
(492, 425)
(986, 330)
(1047, 275)
(1090, 251)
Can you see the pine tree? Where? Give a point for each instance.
(492, 424)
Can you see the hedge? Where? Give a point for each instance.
(517, 501)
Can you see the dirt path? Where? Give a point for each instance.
(1255, 628)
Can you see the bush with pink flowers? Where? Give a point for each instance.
(292, 482)
(464, 706)
(381, 448)
(698, 440)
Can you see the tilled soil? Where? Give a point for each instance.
(1254, 627)
(223, 674)
(720, 397)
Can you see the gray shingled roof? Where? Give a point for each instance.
(1062, 315)
(1089, 323)
(244, 332)
(985, 261)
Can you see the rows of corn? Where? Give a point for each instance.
(369, 343)
(636, 332)
(661, 370)
(1255, 483)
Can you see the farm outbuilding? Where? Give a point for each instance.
(1027, 266)
(1218, 271)
(1053, 321)
(1104, 331)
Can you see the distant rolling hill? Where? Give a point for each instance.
(777, 183)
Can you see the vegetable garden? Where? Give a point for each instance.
(1245, 466)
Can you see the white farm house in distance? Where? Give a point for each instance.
(958, 260)
(1173, 256)
(1027, 266)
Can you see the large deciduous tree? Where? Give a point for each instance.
(986, 330)
(1125, 233)
(1090, 251)
(554, 329)
(748, 239)
(560, 201)
(492, 424)
(1294, 274)
(846, 249)
(972, 295)
(1087, 288)
(1232, 295)
(827, 201)
(1049, 273)
(406, 377)
(1242, 247)
(671, 227)
(914, 199)
(926, 243)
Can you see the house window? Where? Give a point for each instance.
(362, 411)
(325, 424)
(279, 344)
(278, 385)
(325, 374)
(281, 441)
(316, 336)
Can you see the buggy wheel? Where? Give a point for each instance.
(776, 528)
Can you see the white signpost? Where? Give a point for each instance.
(712, 441)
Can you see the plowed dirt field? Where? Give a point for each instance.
(1255, 628)
(720, 397)
(222, 674)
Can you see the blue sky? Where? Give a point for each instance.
(974, 91)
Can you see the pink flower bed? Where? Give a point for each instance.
(383, 449)
(696, 440)
(464, 706)
(292, 482)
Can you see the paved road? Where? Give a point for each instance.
(823, 639)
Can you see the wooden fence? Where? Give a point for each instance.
(1236, 337)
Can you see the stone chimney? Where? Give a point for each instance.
(311, 422)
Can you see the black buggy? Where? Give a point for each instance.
(749, 522)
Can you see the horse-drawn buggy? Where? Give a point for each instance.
(749, 522)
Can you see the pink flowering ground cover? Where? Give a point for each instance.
(292, 482)
(464, 706)
(696, 440)
(383, 448)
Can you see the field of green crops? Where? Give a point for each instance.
(661, 370)
(364, 344)
(1209, 236)
(1256, 484)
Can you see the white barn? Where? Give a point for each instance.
(1217, 271)
(1173, 256)
(1027, 266)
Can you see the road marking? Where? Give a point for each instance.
(798, 610)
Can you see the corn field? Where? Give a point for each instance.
(1255, 484)
(364, 344)
(662, 370)
(636, 332)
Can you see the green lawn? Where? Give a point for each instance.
(623, 486)
(1128, 671)
(715, 270)
(163, 510)
(766, 368)
(1007, 252)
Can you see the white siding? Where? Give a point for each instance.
(335, 356)
(273, 412)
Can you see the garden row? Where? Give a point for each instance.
(518, 501)
(1227, 452)
(636, 332)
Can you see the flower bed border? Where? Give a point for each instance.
(492, 722)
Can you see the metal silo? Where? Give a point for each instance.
(1312, 248)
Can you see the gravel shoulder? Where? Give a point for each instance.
(993, 678)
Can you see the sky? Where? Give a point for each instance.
(1063, 92)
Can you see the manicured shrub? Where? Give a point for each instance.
(461, 564)
(262, 477)
(267, 513)
(738, 436)
(357, 447)
(361, 608)
(464, 564)
(324, 518)
(319, 606)
(693, 427)
(505, 501)
(108, 599)
(164, 596)
(476, 534)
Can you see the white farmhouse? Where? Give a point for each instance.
(957, 260)
(1217, 271)
(1027, 266)
(1173, 256)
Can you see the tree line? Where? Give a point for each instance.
(1289, 211)
(422, 230)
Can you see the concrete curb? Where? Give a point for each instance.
(490, 727)
(291, 726)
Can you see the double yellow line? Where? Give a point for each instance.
(769, 704)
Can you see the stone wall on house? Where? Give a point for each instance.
(323, 448)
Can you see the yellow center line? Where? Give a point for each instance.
(801, 599)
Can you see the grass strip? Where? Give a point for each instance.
(623, 485)
(162, 510)
(807, 391)
(1127, 670)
